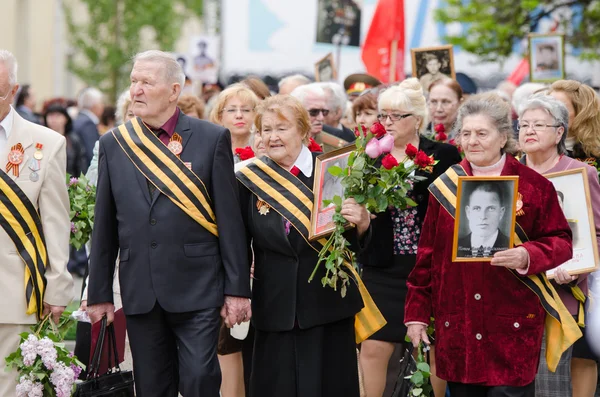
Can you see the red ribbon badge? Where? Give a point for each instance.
(15, 158)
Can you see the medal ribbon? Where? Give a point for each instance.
(293, 200)
(15, 158)
(561, 329)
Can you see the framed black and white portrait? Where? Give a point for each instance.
(325, 69)
(573, 194)
(326, 187)
(546, 57)
(485, 217)
(432, 63)
(338, 22)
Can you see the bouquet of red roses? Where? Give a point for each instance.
(375, 179)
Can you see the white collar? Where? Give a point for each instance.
(305, 162)
(91, 115)
(477, 241)
(7, 123)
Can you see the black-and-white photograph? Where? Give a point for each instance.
(546, 57)
(325, 69)
(432, 64)
(203, 64)
(485, 216)
(338, 22)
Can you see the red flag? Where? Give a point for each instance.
(522, 70)
(384, 40)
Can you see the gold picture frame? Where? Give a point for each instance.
(546, 57)
(326, 186)
(577, 206)
(491, 217)
(422, 70)
(325, 66)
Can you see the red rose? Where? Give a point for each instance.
(378, 130)
(244, 153)
(360, 130)
(389, 162)
(410, 151)
(422, 160)
(441, 136)
(439, 128)
(313, 146)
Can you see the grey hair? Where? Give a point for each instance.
(9, 60)
(295, 77)
(338, 97)
(121, 109)
(89, 97)
(555, 108)
(303, 91)
(523, 92)
(493, 107)
(172, 69)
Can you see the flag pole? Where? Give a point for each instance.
(393, 58)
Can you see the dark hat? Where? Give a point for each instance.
(467, 84)
(358, 82)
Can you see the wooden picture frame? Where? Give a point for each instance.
(422, 69)
(577, 206)
(546, 57)
(324, 188)
(325, 69)
(477, 212)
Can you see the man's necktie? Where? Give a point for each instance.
(480, 252)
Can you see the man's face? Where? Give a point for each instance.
(150, 94)
(484, 213)
(546, 56)
(433, 66)
(313, 103)
(6, 91)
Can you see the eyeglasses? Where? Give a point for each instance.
(444, 103)
(315, 112)
(393, 116)
(233, 111)
(536, 126)
(5, 96)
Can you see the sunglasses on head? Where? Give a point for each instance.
(315, 112)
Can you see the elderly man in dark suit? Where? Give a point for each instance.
(91, 106)
(167, 200)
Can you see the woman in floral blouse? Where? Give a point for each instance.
(391, 255)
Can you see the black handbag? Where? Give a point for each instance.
(115, 383)
(408, 366)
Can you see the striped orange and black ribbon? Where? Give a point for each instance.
(21, 221)
(561, 329)
(293, 200)
(166, 172)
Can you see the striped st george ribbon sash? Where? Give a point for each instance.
(293, 200)
(166, 172)
(561, 329)
(21, 221)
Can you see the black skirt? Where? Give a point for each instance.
(387, 286)
(315, 362)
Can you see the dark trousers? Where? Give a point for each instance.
(466, 390)
(175, 352)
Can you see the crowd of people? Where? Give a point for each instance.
(201, 210)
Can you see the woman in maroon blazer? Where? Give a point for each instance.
(489, 324)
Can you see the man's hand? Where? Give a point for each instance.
(235, 310)
(418, 333)
(96, 312)
(514, 258)
(55, 310)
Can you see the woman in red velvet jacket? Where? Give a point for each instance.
(489, 324)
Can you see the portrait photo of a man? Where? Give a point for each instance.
(432, 64)
(486, 213)
(546, 53)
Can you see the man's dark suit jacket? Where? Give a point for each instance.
(282, 297)
(465, 250)
(85, 128)
(345, 133)
(166, 256)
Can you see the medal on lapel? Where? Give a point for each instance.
(35, 163)
(176, 144)
(519, 207)
(15, 158)
(38, 155)
(262, 207)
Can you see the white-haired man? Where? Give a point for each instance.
(167, 201)
(34, 207)
(91, 107)
(336, 99)
(289, 83)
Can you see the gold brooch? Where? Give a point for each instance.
(262, 207)
(519, 208)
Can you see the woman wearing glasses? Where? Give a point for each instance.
(393, 250)
(445, 97)
(234, 110)
(543, 122)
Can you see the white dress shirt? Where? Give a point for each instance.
(304, 162)
(6, 128)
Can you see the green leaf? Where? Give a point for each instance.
(422, 366)
(337, 201)
(417, 378)
(417, 392)
(335, 170)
